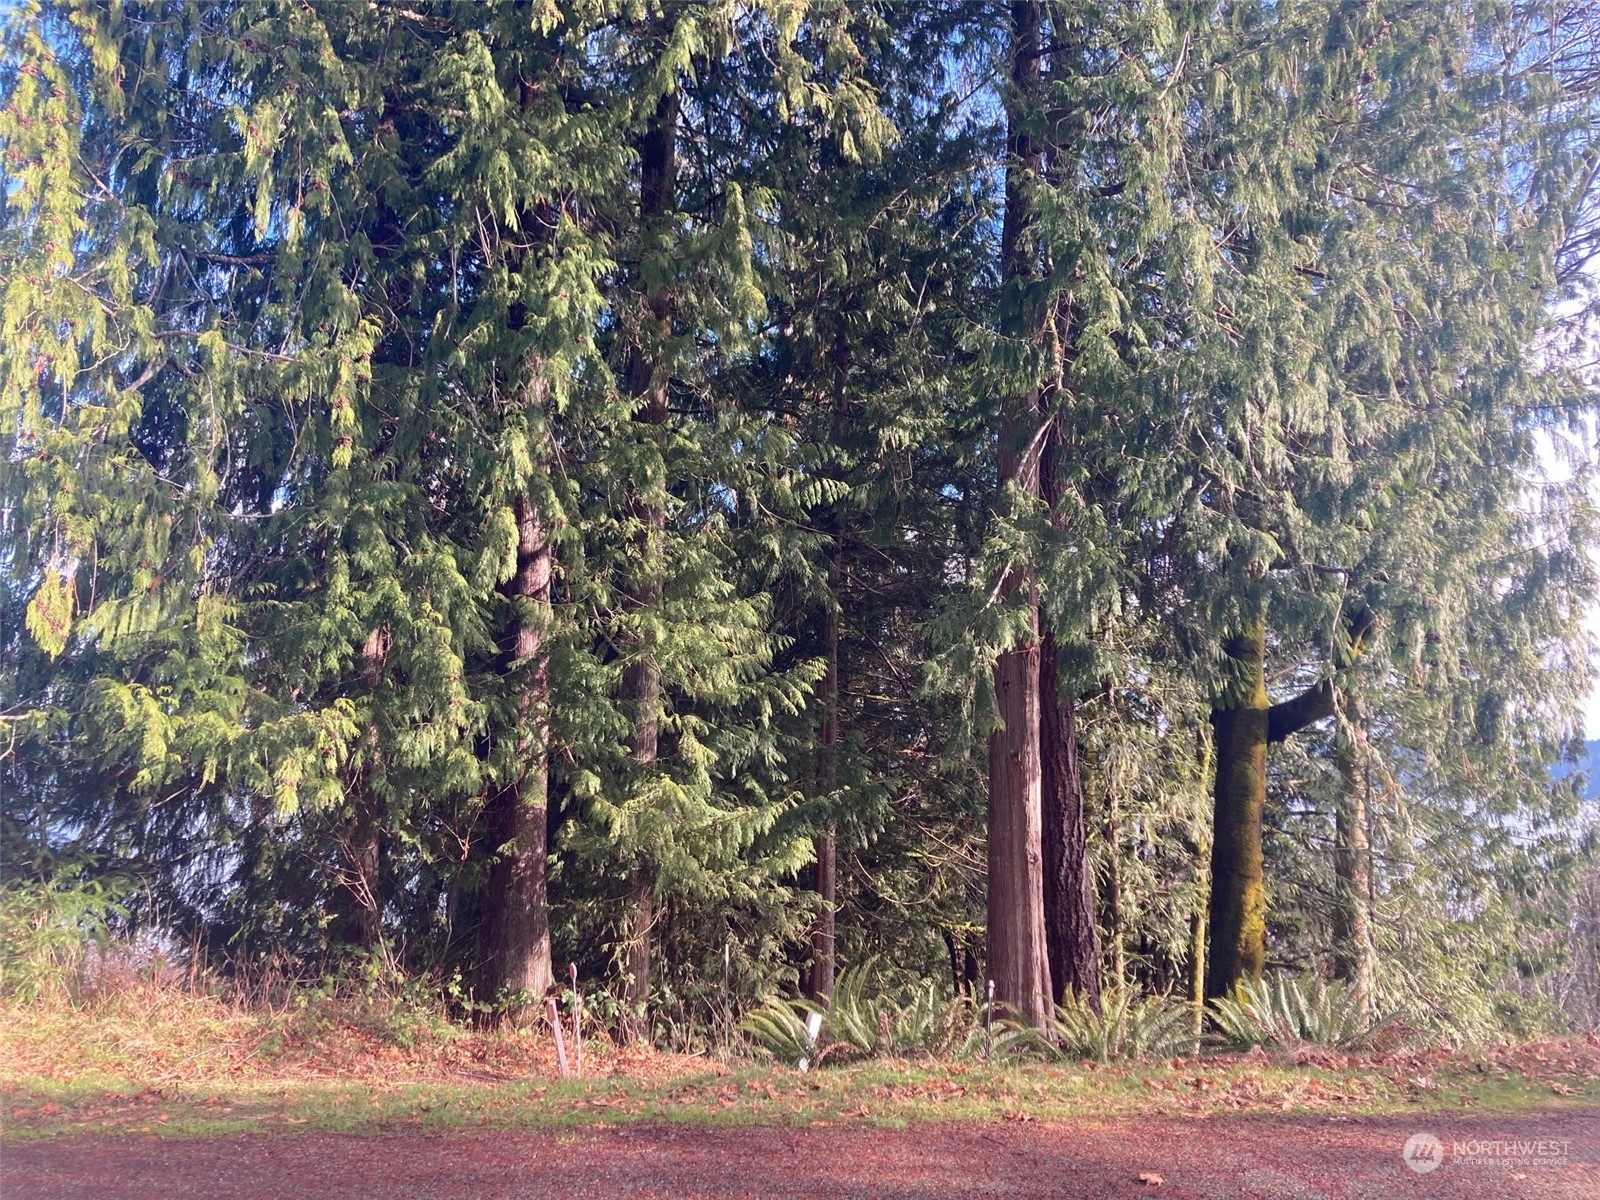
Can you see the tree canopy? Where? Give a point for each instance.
(1073, 495)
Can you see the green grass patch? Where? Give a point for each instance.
(883, 1093)
(159, 1061)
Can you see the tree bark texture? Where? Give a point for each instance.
(1071, 938)
(360, 847)
(824, 960)
(1238, 901)
(512, 915)
(1017, 958)
(1071, 934)
(641, 680)
(515, 936)
(1243, 724)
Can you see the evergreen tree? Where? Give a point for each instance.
(483, 484)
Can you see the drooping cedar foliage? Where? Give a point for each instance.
(1054, 493)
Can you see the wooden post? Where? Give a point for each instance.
(555, 1027)
(577, 1019)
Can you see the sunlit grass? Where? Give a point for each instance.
(158, 1059)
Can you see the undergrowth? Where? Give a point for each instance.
(867, 1017)
(1286, 1012)
(73, 998)
(1127, 1026)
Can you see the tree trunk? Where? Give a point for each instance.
(642, 690)
(515, 935)
(1071, 938)
(1353, 954)
(359, 845)
(641, 680)
(1238, 902)
(1244, 722)
(819, 974)
(819, 979)
(640, 915)
(1197, 965)
(1018, 961)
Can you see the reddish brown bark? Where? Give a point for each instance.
(515, 934)
(1071, 937)
(1017, 958)
(1071, 934)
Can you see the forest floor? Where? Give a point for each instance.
(162, 1094)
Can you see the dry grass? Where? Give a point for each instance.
(155, 1027)
(135, 1049)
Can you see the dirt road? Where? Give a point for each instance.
(1289, 1157)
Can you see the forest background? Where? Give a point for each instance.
(1088, 499)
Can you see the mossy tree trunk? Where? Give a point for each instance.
(1238, 917)
(1243, 724)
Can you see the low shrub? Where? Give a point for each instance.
(1127, 1026)
(1285, 1012)
(868, 1016)
(47, 932)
